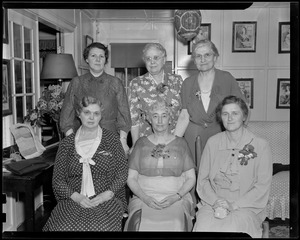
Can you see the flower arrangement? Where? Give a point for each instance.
(246, 153)
(161, 88)
(49, 104)
(159, 151)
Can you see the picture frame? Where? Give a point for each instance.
(284, 37)
(6, 88)
(204, 33)
(88, 40)
(244, 36)
(5, 25)
(246, 86)
(283, 93)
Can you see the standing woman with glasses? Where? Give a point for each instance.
(200, 95)
(156, 84)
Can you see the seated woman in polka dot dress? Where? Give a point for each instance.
(89, 176)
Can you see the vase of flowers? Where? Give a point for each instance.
(49, 105)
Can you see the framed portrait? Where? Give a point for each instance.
(204, 33)
(284, 37)
(5, 25)
(246, 86)
(244, 37)
(283, 93)
(88, 40)
(6, 88)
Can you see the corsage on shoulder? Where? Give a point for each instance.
(246, 153)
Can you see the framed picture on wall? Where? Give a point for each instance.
(283, 93)
(204, 33)
(5, 25)
(246, 86)
(244, 37)
(6, 89)
(88, 40)
(284, 37)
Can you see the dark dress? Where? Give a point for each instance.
(201, 122)
(109, 173)
(110, 91)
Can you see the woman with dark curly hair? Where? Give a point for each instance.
(99, 84)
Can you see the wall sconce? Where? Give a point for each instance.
(59, 66)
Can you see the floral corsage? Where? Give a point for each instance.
(161, 88)
(198, 94)
(159, 151)
(246, 153)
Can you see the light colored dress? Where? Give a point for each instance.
(248, 186)
(143, 92)
(160, 178)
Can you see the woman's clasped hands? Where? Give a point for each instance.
(164, 203)
(90, 202)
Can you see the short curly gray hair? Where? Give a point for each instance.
(158, 46)
(159, 104)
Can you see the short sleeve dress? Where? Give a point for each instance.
(160, 178)
(109, 173)
(143, 92)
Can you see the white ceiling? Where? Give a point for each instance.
(146, 14)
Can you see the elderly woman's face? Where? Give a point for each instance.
(154, 60)
(96, 60)
(160, 120)
(232, 117)
(204, 58)
(90, 116)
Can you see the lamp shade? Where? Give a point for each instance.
(187, 23)
(58, 66)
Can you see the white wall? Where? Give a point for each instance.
(265, 65)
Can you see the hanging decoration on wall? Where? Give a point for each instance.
(187, 23)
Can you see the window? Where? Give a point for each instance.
(23, 63)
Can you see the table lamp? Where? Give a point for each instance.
(59, 66)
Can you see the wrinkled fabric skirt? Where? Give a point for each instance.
(241, 220)
(177, 217)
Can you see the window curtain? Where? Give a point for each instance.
(127, 55)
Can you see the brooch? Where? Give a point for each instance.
(161, 88)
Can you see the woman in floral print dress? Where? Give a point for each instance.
(89, 177)
(154, 85)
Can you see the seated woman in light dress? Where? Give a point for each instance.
(235, 175)
(161, 174)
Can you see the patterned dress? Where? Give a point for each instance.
(144, 91)
(160, 178)
(109, 173)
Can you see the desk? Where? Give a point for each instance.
(29, 183)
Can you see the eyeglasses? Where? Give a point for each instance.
(205, 56)
(155, 58)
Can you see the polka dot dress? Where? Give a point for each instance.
(109, 173)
